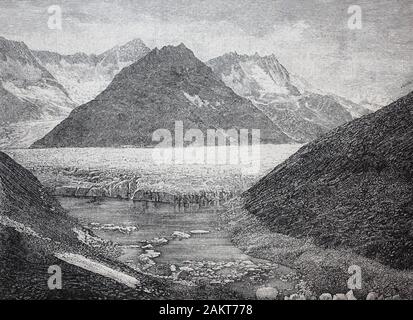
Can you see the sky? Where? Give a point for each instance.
(311, 38)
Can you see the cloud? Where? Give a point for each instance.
(290, 33)
(310, 38)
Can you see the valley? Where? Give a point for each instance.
(172, 231)
(183, 244)
(206, 150)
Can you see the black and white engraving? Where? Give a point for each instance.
(206, 150)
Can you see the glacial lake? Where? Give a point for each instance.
(157, 220)
(208, 256)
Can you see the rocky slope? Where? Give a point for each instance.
(36, 233)
(165, 86)
(298, 109)
(13, 109)
(85, 76)
(254, 77)
(23, 77)
(30, 97)
(351, 189)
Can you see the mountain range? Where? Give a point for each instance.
(40, 88)
(299, 110)
(350, 189)
(37, 94)
(167, 85)
(85, 76)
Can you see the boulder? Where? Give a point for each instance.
(340, 296)
(266, 293)
(372, 296)
(181, 235)
(350, 295)
(199, 231)
(184, 275)
(326, 296)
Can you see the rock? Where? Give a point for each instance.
(147, 262)
(112, 227)
(161, 270)
(186, 269)
(148, 246)
(199, 231)
(158, 241)
(173, 268)
(181, 235)
(372, 296)
(266, 293)
(184, 275)
(396, 297)
(148, 265)
(350, 295)
(150, 254)
(297, 297)
(340, 296)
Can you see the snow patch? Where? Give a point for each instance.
(20, 227)
(196, 100)
(88, 239)
(98, 268)
(54, 103)
(263, 79)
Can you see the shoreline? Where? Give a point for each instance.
(324, 270)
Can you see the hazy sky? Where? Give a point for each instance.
(310, 37)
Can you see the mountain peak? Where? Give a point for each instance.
(181, 48)
(167, 84)
(135, 43)
(173, 55)
(126, 53)
(11, 45)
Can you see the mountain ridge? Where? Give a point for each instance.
(87, 75)
(299, 110)
(166, 85)
(349, 189)
(36, 93)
